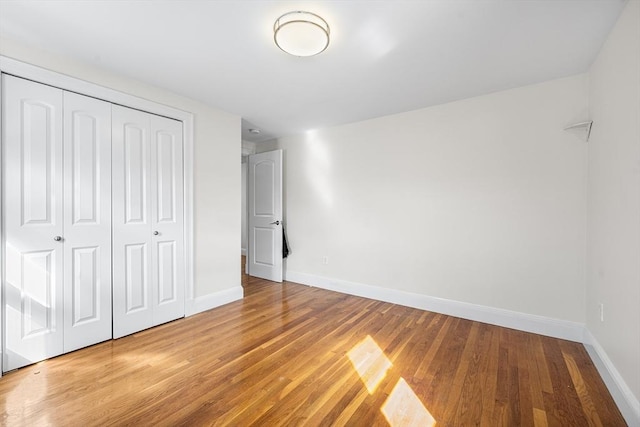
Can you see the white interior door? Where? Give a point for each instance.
(167, 220)
(148, 221)
(87, 221)
(33, 215)
(265, 215)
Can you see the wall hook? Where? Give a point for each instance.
(584, 126)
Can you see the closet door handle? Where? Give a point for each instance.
(276, 222)
(57, 238)
(155, 233)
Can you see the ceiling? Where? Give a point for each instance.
(385, 57)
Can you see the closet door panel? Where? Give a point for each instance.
(167, 216)
(167, 273)
(136, 165)
(87, 221)
(136, 281)
(132, 291)
(32, 189)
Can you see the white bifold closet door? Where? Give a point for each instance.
(87, 221)
(57, 221)
(148, 221)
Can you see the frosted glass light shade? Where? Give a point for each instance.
(301, 33)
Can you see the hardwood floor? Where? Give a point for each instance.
(289, 354)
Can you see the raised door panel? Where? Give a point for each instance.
(37, 163)
(85, 286)
(136, 164)
(167, 158)
(264, 240)
(132, 252)
(167, 273)
(136, 280)
(84, 166)
(32, 308)
(32, 189)
(167, 220)
(264, 194)
(87, 221)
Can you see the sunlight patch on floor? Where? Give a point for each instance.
(404, 408)
(370, 363)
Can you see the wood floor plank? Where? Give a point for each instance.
(563, 405)
(539, 418)
(489, 377)
(581, 390)
(461, 377)
(280, 357)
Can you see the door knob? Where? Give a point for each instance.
(276, 222)
(57, 238)
(155, 233)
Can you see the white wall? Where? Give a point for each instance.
(217, 169)
(614, 200)
(480, 201)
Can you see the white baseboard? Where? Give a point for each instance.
(620, 391)
(207, 302)
(556, 328)
(563, 329)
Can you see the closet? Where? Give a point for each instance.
(93, 235)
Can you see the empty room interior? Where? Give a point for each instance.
(389, 213)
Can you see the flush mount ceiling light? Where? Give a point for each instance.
(301, 33)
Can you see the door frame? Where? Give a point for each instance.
(72, 84)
